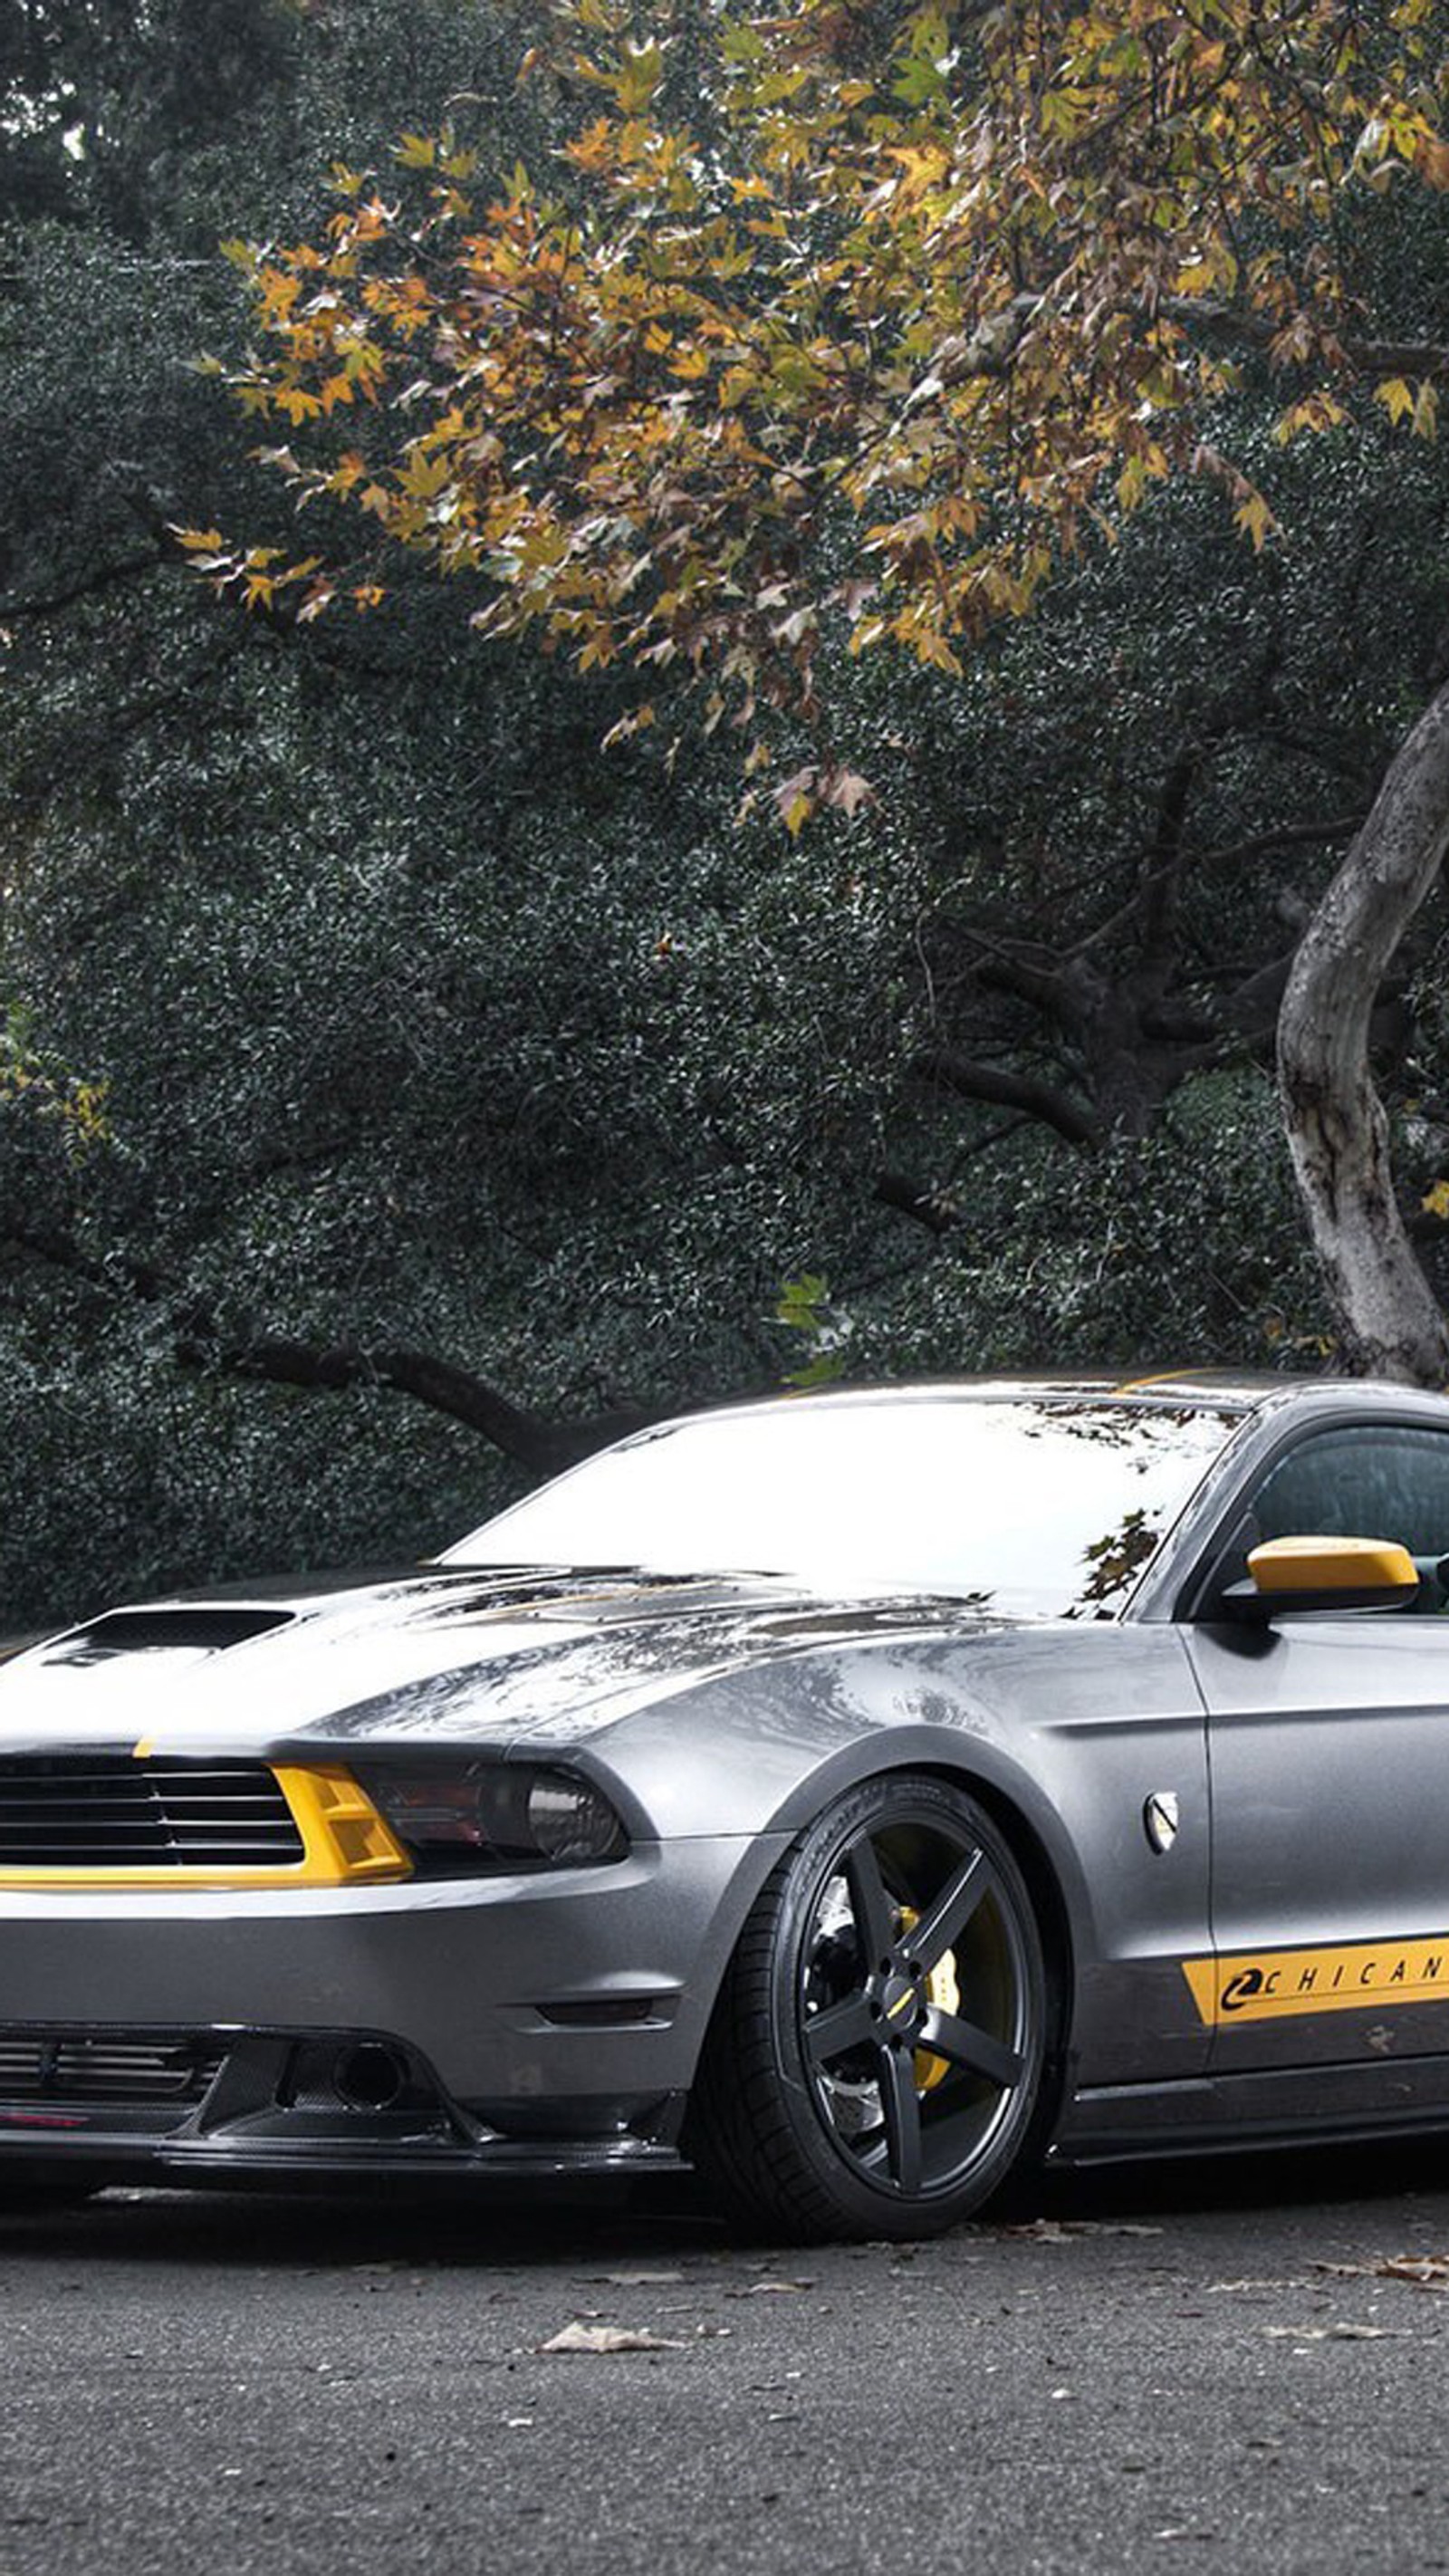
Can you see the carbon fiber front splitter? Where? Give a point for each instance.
(85, 2103)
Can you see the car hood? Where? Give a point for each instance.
(479, 1655)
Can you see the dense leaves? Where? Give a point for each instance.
(857, 358)
(365, 1021)
(846, 338)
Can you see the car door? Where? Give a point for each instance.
(1328, 1743)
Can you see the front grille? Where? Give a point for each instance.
(41, 2066)
(107, 1811)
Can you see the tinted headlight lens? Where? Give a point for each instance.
(494, 1815)
(569, 1820)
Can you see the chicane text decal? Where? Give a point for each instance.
(1266, 1984)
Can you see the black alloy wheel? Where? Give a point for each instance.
(877, 2061)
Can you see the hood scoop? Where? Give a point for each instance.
(137, 1632)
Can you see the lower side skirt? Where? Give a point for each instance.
(1327, 2105)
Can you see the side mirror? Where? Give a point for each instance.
(1324, 1574)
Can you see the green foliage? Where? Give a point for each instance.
(1181, 1249)
(353, 995)
(803, 1306)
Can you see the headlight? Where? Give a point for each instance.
(497, 1815)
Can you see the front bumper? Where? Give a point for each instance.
(102, 2104)
(538, 2024)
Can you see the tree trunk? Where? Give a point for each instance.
(1337, 1132)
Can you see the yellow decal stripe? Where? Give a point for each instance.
(1275, 1985)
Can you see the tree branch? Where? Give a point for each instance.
(85, 587)
(1160, 890)
(1338, 1132)
(544, 1447)
(1289, 836)
(1041, 1100)
(1258, 331)
(918, 1199)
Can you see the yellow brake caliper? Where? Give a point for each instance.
(945, 1994)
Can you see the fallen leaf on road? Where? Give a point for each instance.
(1058, 2231)
(577, 2338)
(768, 2289)
(1300, 2283)
(1421, 2271)
(1111, 2227)
(638, 2280)
(1342, 2332)
(1425, 2271)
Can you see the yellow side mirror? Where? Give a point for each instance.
(1332, 1573)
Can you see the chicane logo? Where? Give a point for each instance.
(1239, 1991)
(1273, 1984)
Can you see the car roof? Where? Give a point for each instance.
(1212, 1390)
(1215, 1389)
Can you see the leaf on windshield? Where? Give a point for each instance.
(1120, 1556)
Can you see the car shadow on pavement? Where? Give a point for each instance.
(523, 2226)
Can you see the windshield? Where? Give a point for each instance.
(1024, 1507)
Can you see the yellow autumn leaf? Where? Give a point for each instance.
(425, 476)
(1397, 397)
(635, 83)
(1317, 412)
(1256, 520)
(794, 800)
(297, 403)
(933, 648)
(1131, 483)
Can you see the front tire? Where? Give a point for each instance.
(877, 2061)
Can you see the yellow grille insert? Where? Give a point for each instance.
(345, 1837)
(345, 1843)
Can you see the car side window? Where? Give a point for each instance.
(1364, 1482)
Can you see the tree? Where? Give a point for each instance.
(283, 1102)
(843, 329)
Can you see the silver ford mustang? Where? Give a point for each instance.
(858, 1797)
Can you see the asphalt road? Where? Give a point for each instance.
(1200, 2368)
